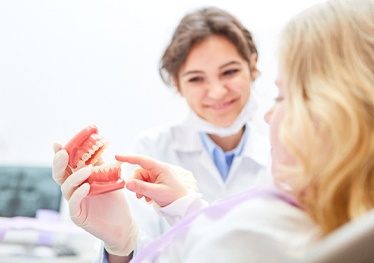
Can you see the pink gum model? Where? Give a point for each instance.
(86, 148)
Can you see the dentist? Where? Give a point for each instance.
(212, 62)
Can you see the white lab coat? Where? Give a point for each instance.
(258, 229)
(181, 145)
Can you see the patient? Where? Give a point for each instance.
(322, 135)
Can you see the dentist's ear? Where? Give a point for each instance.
(177, 86)
(253, 66)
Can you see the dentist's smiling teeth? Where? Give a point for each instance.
(220, 105)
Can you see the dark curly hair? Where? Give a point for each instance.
(196, 27)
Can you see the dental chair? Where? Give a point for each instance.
(353, 242)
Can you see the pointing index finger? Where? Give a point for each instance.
(145, 162)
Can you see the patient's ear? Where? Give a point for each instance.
(253, 66)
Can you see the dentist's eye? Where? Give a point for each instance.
(195, 79)
(231, 71)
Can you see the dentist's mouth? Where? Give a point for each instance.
(220, 106)
(86, 148)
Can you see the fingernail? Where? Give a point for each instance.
(130, 185)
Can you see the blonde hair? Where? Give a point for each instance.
(327, 59)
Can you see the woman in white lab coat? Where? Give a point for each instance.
(211, 61)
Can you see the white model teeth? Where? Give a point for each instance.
(80, 163)
(105, 167)
(95, 169)
(88, 155)
(85, 157)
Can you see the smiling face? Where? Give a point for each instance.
(215, 80)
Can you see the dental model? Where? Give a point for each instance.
(86, 148)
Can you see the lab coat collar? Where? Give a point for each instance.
(191, 141)
(257, 146)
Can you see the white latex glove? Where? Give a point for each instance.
(106, 216)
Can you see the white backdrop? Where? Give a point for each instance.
(65, 64)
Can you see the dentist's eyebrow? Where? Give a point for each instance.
(191, 72)
(229, 64)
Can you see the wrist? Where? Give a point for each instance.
(119, 259)
(125, 246)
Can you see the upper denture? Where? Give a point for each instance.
(85, 147)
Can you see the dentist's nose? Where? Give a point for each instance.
(216, 90)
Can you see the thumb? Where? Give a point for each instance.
(56, 147)
(138, 186)
(142, 188)
(60, 163)
(75, 204)
(150, 191)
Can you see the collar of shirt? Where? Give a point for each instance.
(223, 160)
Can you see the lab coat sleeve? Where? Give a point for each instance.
(182, 207)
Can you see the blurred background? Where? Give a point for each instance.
(67, 64)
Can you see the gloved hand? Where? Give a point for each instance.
(161, 182)
(105, 216)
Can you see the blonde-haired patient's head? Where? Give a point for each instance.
(327, 77)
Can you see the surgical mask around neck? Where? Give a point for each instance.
(201, 125)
